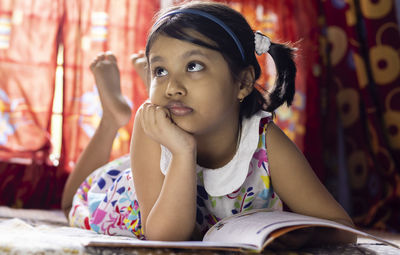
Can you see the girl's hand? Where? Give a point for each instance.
(157, 193)
(157, 124)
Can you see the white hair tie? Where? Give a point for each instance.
(262, 43)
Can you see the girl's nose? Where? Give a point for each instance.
(174, 88)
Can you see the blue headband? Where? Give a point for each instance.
(210, 17)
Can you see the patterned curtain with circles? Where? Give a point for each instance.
(345, 116)
(362, 111)
(92, 27)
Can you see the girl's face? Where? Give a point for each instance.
(194, 83)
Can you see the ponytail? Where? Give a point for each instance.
(284, 88)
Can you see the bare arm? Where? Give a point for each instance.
(298, 186)
(167, 204)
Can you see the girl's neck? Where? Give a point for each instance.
(216, 150)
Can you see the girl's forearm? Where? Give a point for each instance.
(173, 215)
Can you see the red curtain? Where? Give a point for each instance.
(361, 85)
(345, 115)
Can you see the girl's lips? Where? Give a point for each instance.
(178, 108)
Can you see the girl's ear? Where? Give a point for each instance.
(246, 82)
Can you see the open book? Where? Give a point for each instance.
(251, 231)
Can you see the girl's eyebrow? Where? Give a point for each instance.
(194, 52)
(184, 56)
(155, 59)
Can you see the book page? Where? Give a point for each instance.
(20, 237)
(123, 242)
(251, 230)
(255, 226)
(241, 228)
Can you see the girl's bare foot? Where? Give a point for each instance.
(140, 64)
(106, 74)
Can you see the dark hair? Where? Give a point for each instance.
(178, 25)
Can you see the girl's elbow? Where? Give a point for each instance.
(66, 211)
(166, 237)
(163, 232)
(345, 237)
(169, 235)
(347, 221)
(66, 207)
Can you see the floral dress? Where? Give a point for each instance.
(106, 201)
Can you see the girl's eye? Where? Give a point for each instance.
(195, 67)
(159, 72)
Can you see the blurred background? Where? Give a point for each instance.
(345, 116)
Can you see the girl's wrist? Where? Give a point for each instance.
(187, 148)
(185, 160)
(188, 155)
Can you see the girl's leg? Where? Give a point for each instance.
(116, 113)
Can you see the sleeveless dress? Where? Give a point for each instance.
(106, 201)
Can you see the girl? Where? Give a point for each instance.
(204, 146)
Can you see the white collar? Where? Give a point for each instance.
(227, 179)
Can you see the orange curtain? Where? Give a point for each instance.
(91, 27)
(30, 33)
(28, 48)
